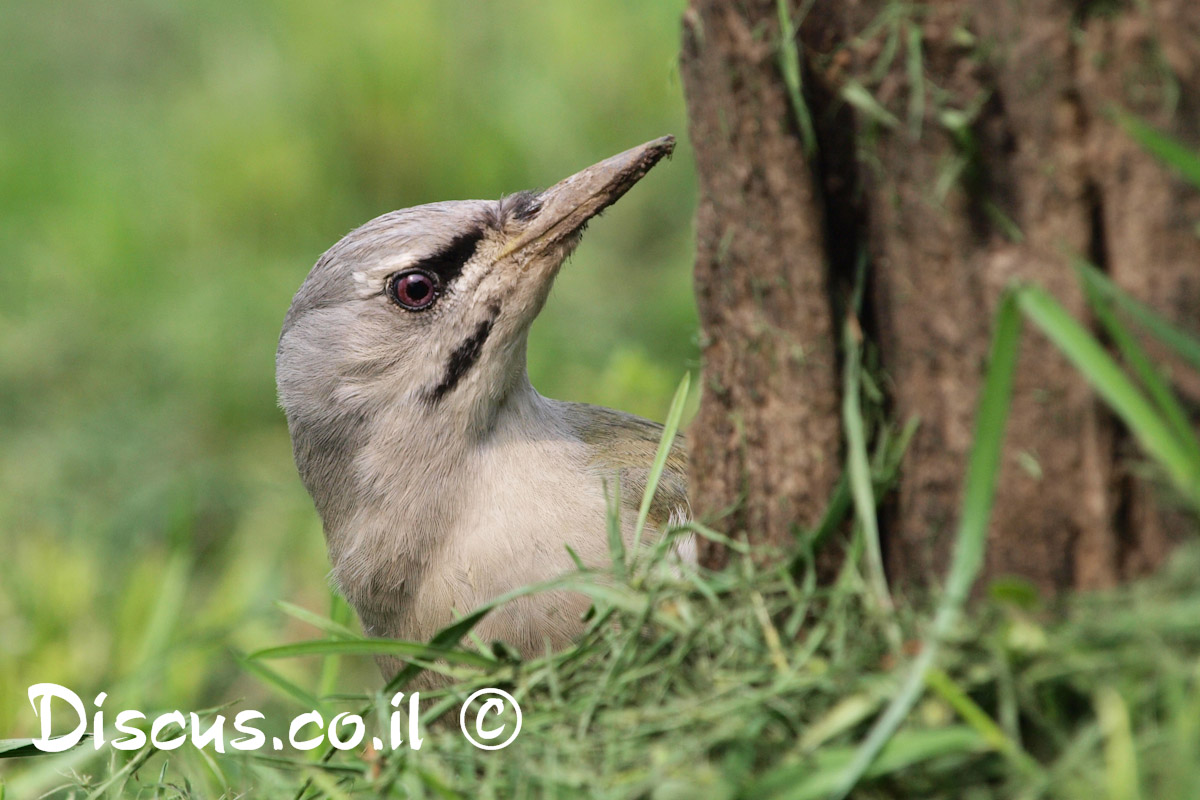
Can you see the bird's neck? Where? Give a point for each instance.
(390, 495)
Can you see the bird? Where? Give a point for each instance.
(443, 479)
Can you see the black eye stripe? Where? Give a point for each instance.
(448, 263)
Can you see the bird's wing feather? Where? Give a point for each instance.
(625, 445)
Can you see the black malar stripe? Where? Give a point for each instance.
(463, 358)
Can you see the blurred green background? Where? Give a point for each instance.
(168, 174)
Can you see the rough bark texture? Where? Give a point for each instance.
(995, 157)
(768, 451)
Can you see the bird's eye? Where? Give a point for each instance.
(414, 290)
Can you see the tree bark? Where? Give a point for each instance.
(986, 153)
(766, 457)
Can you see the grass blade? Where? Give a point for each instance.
(983, 468)
(1185, 345)
(323, 624)
(168, 607)
(858, 96)
(858, 469)
(736, 545)
(670, 428)
(1120, 754)
(793, 76)
(1141, 365)
(915, 71)
(281, 685)
(978, 719)
(445, 638)
(340, 616)
(1082, 349)
(612, 519)
(374, 647)
(807, 780)
(22, 748)
(1169, 151)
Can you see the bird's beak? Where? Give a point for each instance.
(565, 207)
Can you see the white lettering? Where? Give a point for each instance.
(360, 730)
(45, 692)
(137, 737)
(215, 732)
(162, 722)
(312, 717)
(256, 739)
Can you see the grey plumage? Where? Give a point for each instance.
(442, 477)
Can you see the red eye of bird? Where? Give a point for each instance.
(414, 290)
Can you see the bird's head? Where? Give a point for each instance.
(425, 312)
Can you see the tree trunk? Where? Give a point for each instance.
(767, 451)
(982, 149)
